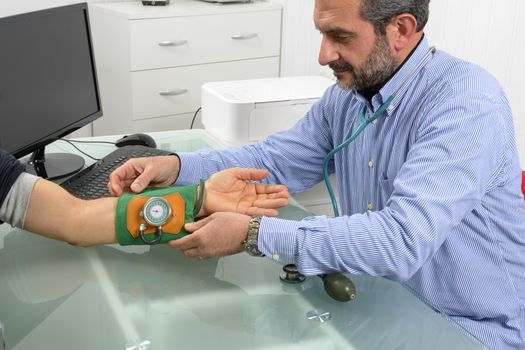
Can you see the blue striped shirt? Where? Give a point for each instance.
(430, 193)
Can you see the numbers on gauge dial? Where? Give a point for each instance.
(156, 211)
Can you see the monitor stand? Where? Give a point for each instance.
(53, 165)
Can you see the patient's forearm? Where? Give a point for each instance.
(56, 214)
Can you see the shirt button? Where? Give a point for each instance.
(374, 121)
(275, 256)
(370, 206)
(370, 164)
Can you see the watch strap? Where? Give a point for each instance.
(251, 245)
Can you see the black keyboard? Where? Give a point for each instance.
(92, 182)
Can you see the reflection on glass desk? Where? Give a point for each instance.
(55, 296)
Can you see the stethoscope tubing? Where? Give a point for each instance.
(363, 124)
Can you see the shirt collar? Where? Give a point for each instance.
(389, 88)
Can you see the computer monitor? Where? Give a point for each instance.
(48, 85)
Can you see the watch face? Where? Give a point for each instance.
(156, 211)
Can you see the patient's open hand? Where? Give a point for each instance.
(234, 190)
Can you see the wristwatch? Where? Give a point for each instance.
(156, 212)
(250, 244)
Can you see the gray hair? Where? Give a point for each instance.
(380, 12)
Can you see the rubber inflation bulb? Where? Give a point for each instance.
(339, 287)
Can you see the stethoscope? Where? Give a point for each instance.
(365, 120)
(337, 285)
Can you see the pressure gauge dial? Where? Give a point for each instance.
(156, 211)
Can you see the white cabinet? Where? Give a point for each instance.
(152, 60)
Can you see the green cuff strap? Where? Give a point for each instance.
(125, 237)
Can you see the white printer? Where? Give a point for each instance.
(246, 111)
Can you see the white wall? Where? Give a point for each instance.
(300, 39)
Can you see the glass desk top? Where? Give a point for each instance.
(55, 296)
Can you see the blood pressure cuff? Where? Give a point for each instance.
(128, 214)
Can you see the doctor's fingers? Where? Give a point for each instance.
(138, 173)
(195, 253)
(183, 244)
(193, 240)
(117, 185)
(194, 226)
(124, 175)
(220, 233)
(143, 180)
(116, 189)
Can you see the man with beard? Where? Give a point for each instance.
(429, 191)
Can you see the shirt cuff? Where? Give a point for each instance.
(278, 239)
(190, 168)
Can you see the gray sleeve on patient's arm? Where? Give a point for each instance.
(14, 208)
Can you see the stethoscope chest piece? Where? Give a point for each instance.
(290, 274)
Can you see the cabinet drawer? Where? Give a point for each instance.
(178, 90)
(180, 41)
(170, 122)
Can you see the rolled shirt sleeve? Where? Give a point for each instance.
(14, 208)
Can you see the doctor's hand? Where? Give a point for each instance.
(233, 190)
(219, 234)
(138, 173)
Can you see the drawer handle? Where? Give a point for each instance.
(173, 43)
(246, 36)
(173, 92)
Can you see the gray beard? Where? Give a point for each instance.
(377, 68)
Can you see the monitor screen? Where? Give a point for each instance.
(48, 83)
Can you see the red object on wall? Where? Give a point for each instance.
(523, 182)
